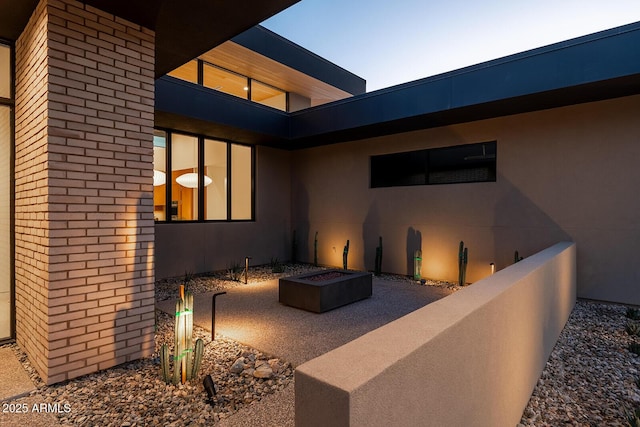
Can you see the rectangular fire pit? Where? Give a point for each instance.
(324, 290)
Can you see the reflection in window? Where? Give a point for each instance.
(188, 72)
(215, 167)
(268, 95)
(160, 175)
(241, 182)
(225, 81)
(184, 177)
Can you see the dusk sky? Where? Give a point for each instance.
(389, 43)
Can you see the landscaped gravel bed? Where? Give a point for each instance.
(588, 381)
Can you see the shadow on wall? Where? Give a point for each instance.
(300, 224)
(414, 243)
(521, 225)
(370, 236)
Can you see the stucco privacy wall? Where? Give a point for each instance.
(563, 174)
(484, 346)
(83, 183)
(210, 246)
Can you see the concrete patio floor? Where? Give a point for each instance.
(252, 315)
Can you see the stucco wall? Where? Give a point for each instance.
(209, 246)
(470, 359)
(563, 174)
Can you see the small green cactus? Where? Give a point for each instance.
(294, 248)
(638, 382)
(633, 313)
(345, 255)
(185, 366)
(378, 266)
(164, 363)
(276, 265)
(517, 257)
(463, 258)
(634, 347)
(633, 417)
(197, 359)
(315, 250)
(632, 328)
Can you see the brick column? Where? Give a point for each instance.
(84, 190)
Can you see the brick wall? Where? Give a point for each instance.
(84, 192)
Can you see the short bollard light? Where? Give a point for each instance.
(246, 268)
(213, 315)
(493, 268)
(209, 387)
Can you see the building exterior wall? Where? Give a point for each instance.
(200, 247)
(84, 230)
(562, 174)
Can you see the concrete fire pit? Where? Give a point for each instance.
(325, 290)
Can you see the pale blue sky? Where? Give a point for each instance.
(393, 42)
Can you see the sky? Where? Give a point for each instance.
(393, 42)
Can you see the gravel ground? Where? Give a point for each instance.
(589, 380)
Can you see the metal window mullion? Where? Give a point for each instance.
(200, 178)
(229, 182)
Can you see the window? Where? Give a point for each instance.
(188, 72)
(184, 177)
(5, 71)
(159, 175)
(268, 95)
(209, 179)
(448, 165)
(225, 81)
(231, 83)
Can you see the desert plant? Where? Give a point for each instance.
(638, 382)
(378, 266)
(315, 250)
(276, 265)
(632, 328)
(517, 257)
(463, 258)
(345, 255)
(633, 417)
(187, 279)
(235, 271)
(634, 347)
(633, 313)
(294, 248)
(185, 365)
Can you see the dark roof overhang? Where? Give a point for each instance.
(273, 46)
(184, 29)
(591, 68)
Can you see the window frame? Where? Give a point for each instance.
(424, 165)
(201, 167)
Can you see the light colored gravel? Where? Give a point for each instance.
(590, 377)
(589, 380)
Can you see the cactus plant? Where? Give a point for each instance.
(294, 248)
(164, 363)
(633, 417)
(345, 255)
(378, 266)
(517, 257)
(463, 257)
(315, 250)
(633, 313)
(634, 347)
(632, 328)
(185, 366)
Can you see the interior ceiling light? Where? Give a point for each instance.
(159, 178)
(190, 180)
